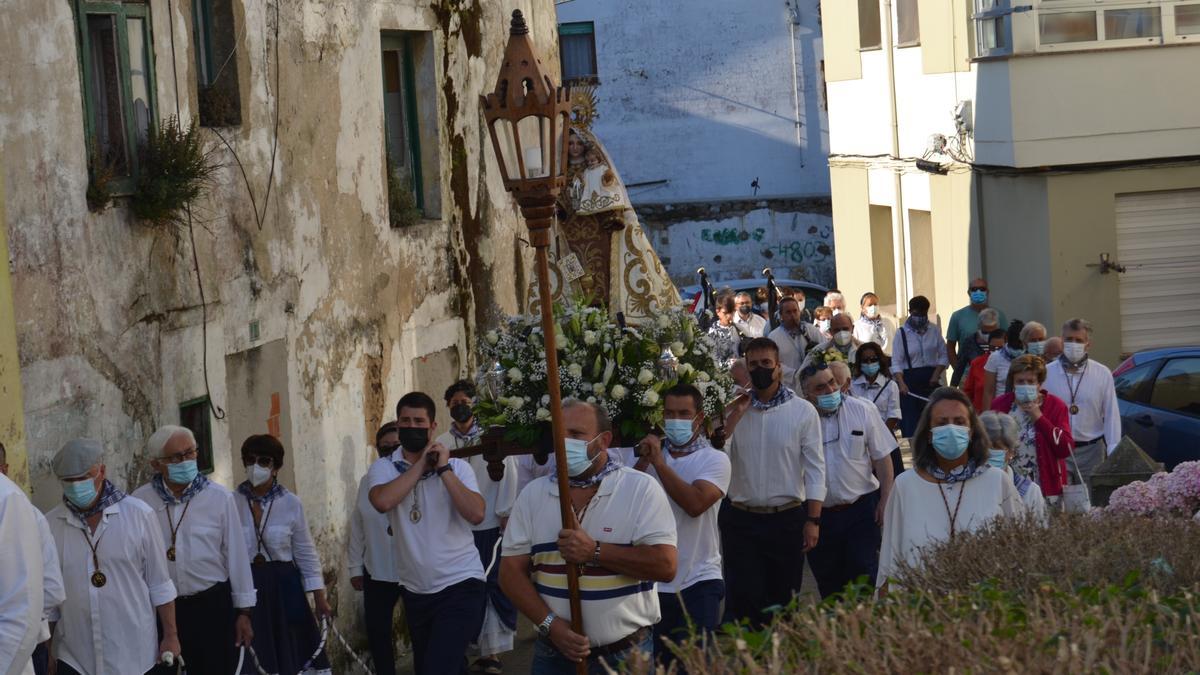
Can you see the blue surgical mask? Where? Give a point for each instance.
(1025, 392)
(577, 456)
(1036, 348)
(951, 440)
(870, 369)
(978, 297)
(182, 473)
(829, 401)
(1014, 353)
(81, 493)
(679, 432)
(997, 458)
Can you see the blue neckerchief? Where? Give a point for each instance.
(472, 433)
(782, 396)
(275, 492)
(198, 483)
(700, 442)
(958, 474)
(403, 466)
(1022, 483)
(610, 467)
(109, 495)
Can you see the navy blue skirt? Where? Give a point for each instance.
(285, 631)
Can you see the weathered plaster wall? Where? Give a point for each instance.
(110, 328)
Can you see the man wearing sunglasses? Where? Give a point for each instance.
(204, 551)
(371, 560)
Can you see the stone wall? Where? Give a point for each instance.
(316, 314)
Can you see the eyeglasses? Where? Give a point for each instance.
(184, 456)
(387, 448)
(263, 461)
(977, 288)
(869, 359)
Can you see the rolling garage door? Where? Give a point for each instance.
(1158, 240)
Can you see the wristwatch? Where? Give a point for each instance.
(442, 469)
(543, 628)
(815, 521)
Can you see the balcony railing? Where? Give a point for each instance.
(1004, 27)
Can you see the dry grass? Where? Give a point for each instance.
(1084, 596)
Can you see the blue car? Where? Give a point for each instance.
(1158, 392)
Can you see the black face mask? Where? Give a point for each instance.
(414, 439)
(461, 413)
(762, 378)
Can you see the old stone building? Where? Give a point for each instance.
(301, 295)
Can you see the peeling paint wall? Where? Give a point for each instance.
(294, 237)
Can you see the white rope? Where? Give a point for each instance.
(495, 550)
(345, 645)
(326, 625)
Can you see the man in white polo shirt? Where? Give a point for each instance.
(371, 560)
(695, 476)
(858, 462)
(625, 543)
(1087, 388)
(772, 516)
(432, 501)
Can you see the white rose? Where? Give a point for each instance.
(545, 399)
(515, 374)
(516, 402)
(678, 349)
(493, 337)
(598, 389)
(542, 414)
(589, 337)
(650, 398)
(664, 321)
(591, 399)
(685, 369)
(702, 376)
(575, 370)
(645, 377)
(618, 392)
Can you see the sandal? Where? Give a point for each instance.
(488, 666)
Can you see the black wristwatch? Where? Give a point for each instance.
(815, 521)
(442, 469)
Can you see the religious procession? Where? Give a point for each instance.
(464, 399)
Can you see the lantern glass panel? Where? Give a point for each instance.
(535, 145)
(560, 143)
(505, 139)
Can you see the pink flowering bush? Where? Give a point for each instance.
(1176, 493)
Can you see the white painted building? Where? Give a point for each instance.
(700, 101)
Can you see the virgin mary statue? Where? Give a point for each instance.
(600, 251)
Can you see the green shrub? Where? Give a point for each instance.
(99, 189)
(174, 169)
(1083, 596)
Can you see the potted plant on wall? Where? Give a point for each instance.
(175, 169)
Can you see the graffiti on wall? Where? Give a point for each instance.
(727, 236)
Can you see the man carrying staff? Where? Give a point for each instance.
(624, 543)
(432, 501)
(772, 516)
(205, 553)
(114, 571)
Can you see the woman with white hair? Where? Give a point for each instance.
(205, 552)
(1004, 432)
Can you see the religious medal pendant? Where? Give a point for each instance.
(415, 514)
(260, 559)
(1074, 409)
(171, 554)
(98, 579)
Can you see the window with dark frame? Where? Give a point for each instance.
(117, 76)
(196, 416)
(401, 131)
(908, 24)
(220, 103)
(870, 35)
(577, 52)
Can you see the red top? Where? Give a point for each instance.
(1054, 442)
(972, 384)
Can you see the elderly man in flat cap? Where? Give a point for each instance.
(114, 571)
(205, 552)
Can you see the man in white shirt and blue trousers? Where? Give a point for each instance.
(695, 476)
(772, 516)
(858, 478)
(432, 501)
(205, 553)
(372, 562)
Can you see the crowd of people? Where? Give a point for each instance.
(702, 522)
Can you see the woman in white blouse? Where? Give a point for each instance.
(951, 490)
(284, 564)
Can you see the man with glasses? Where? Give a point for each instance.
(858, 463)
(750, 324)
(114, 569)
(965, 324)
(205, 553)
(372, 562)
(772, 515)
(793, 337)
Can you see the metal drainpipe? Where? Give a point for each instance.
(901, 244)
(793, 19)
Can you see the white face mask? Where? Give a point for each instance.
(842, 337)
(1074, 351)
(872, 311)
(257, 475)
